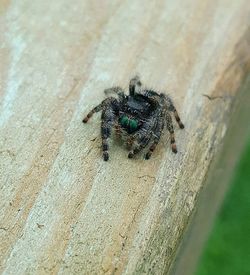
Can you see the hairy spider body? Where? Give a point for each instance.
(140, 117)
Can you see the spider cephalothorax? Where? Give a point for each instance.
(140, 117)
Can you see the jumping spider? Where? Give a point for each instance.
(139, 117)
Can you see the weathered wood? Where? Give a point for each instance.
(62, 209)
(218, 179)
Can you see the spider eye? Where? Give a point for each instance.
(124, 121)
(133, 124)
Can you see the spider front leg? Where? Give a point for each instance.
(142, 138)
(109, 105)
(157, 136)
(171, 131)
(141, 144)
(108, 118)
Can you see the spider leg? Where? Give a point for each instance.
(115, 90)
(171, 131)
(142, 138)
(157, 136)
(118, 130)
(141, 144)
(134, 85)
(172, 108)
(177, 118)
(109, 108)
(98, 108)
(108, 119)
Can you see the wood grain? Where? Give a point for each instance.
(62, 209)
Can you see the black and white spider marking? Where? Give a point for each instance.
(140, 117)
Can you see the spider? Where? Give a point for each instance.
(140, 117)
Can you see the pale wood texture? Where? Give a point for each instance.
(62, 209)
(218, 180)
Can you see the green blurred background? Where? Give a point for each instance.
(227, 250)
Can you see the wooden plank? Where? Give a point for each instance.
(62, 209)
(220, 175)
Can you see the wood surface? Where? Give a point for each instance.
(63, 210)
